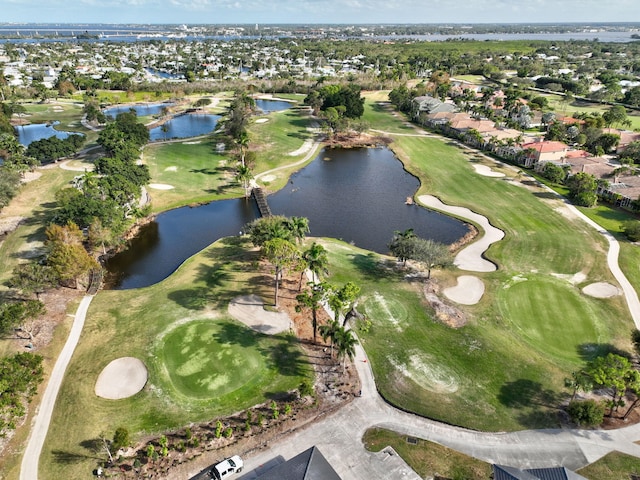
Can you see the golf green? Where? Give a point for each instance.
(204, 359)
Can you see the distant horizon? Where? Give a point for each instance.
(318, 12)
(441, 24)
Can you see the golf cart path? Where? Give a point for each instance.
(339, 437)
(31, 457)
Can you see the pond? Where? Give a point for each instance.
(38, 131)
(357, 195)
(185, 126)
(268, 106)
(142, 110)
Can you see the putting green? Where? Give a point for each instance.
(561, 321)
(206, 359)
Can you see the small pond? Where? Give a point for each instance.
(38, 131)
(185, 126)
(268, 106)
(357, 195)
(142, 110)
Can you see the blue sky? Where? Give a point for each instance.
(318, 11)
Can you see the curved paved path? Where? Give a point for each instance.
(339, 437)
(31, 457)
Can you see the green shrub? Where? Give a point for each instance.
(306, 389)
(631, 230)
(218, 429)
(587, 413)
(228, 433)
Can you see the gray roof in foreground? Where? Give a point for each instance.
(308, 465)
(502, 472)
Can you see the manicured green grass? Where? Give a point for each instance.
(202, 364)
(558, 105)
(613, 466)
(378, 113)
(505, 368)
(194, 168)
(428, 459)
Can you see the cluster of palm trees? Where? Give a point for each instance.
(279, 238)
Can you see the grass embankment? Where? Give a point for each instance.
(426, 458)
(202, 364)
(612, 466)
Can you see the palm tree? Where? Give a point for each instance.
(345, 344)
(243, 142)
(328, 331)
(313, 299)
(245, 176)
(315, 259)
(299, 227)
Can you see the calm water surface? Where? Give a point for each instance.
(357, 195)
(185, 126)
(268, 106)
(38, 131)
(142, 110)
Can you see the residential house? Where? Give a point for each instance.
(545, 150)
(623, 191)
(426, 104)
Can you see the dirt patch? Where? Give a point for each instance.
(350, 140)
(447, 314)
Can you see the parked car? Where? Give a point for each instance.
(227, 468)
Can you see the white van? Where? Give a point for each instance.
(227, 468)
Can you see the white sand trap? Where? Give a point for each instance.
(468, 291)
(486, 171)
(161, 186)
(268, 178)
(250, 311)
(195, 142)
(306, 146)
(469, 258)
(122, 378)
(262, 120)
(601, 290)
(171, 169)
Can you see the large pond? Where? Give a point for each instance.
(184, 126)
(142, 110)
(357, 195)
(268, 106)
(38, 131)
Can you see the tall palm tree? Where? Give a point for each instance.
(328, 331)
(346, 345)
(315, 259)
(245, 176)
(313, 299)
(299, 227)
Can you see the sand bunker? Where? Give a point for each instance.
(250, 311)
(601, 290)
(172, 168)
(268, 178)
(161, 186)
(486, 171)
(468, 291)
(262, 120)
(469, 258)
(194, 142)
(122, 378)
(306, 146)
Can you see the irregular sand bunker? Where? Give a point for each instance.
(250, 311)
(262, 120)
(122, 378)
(468, 291)
(161, 186)
(486, 171)
(601, 290)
